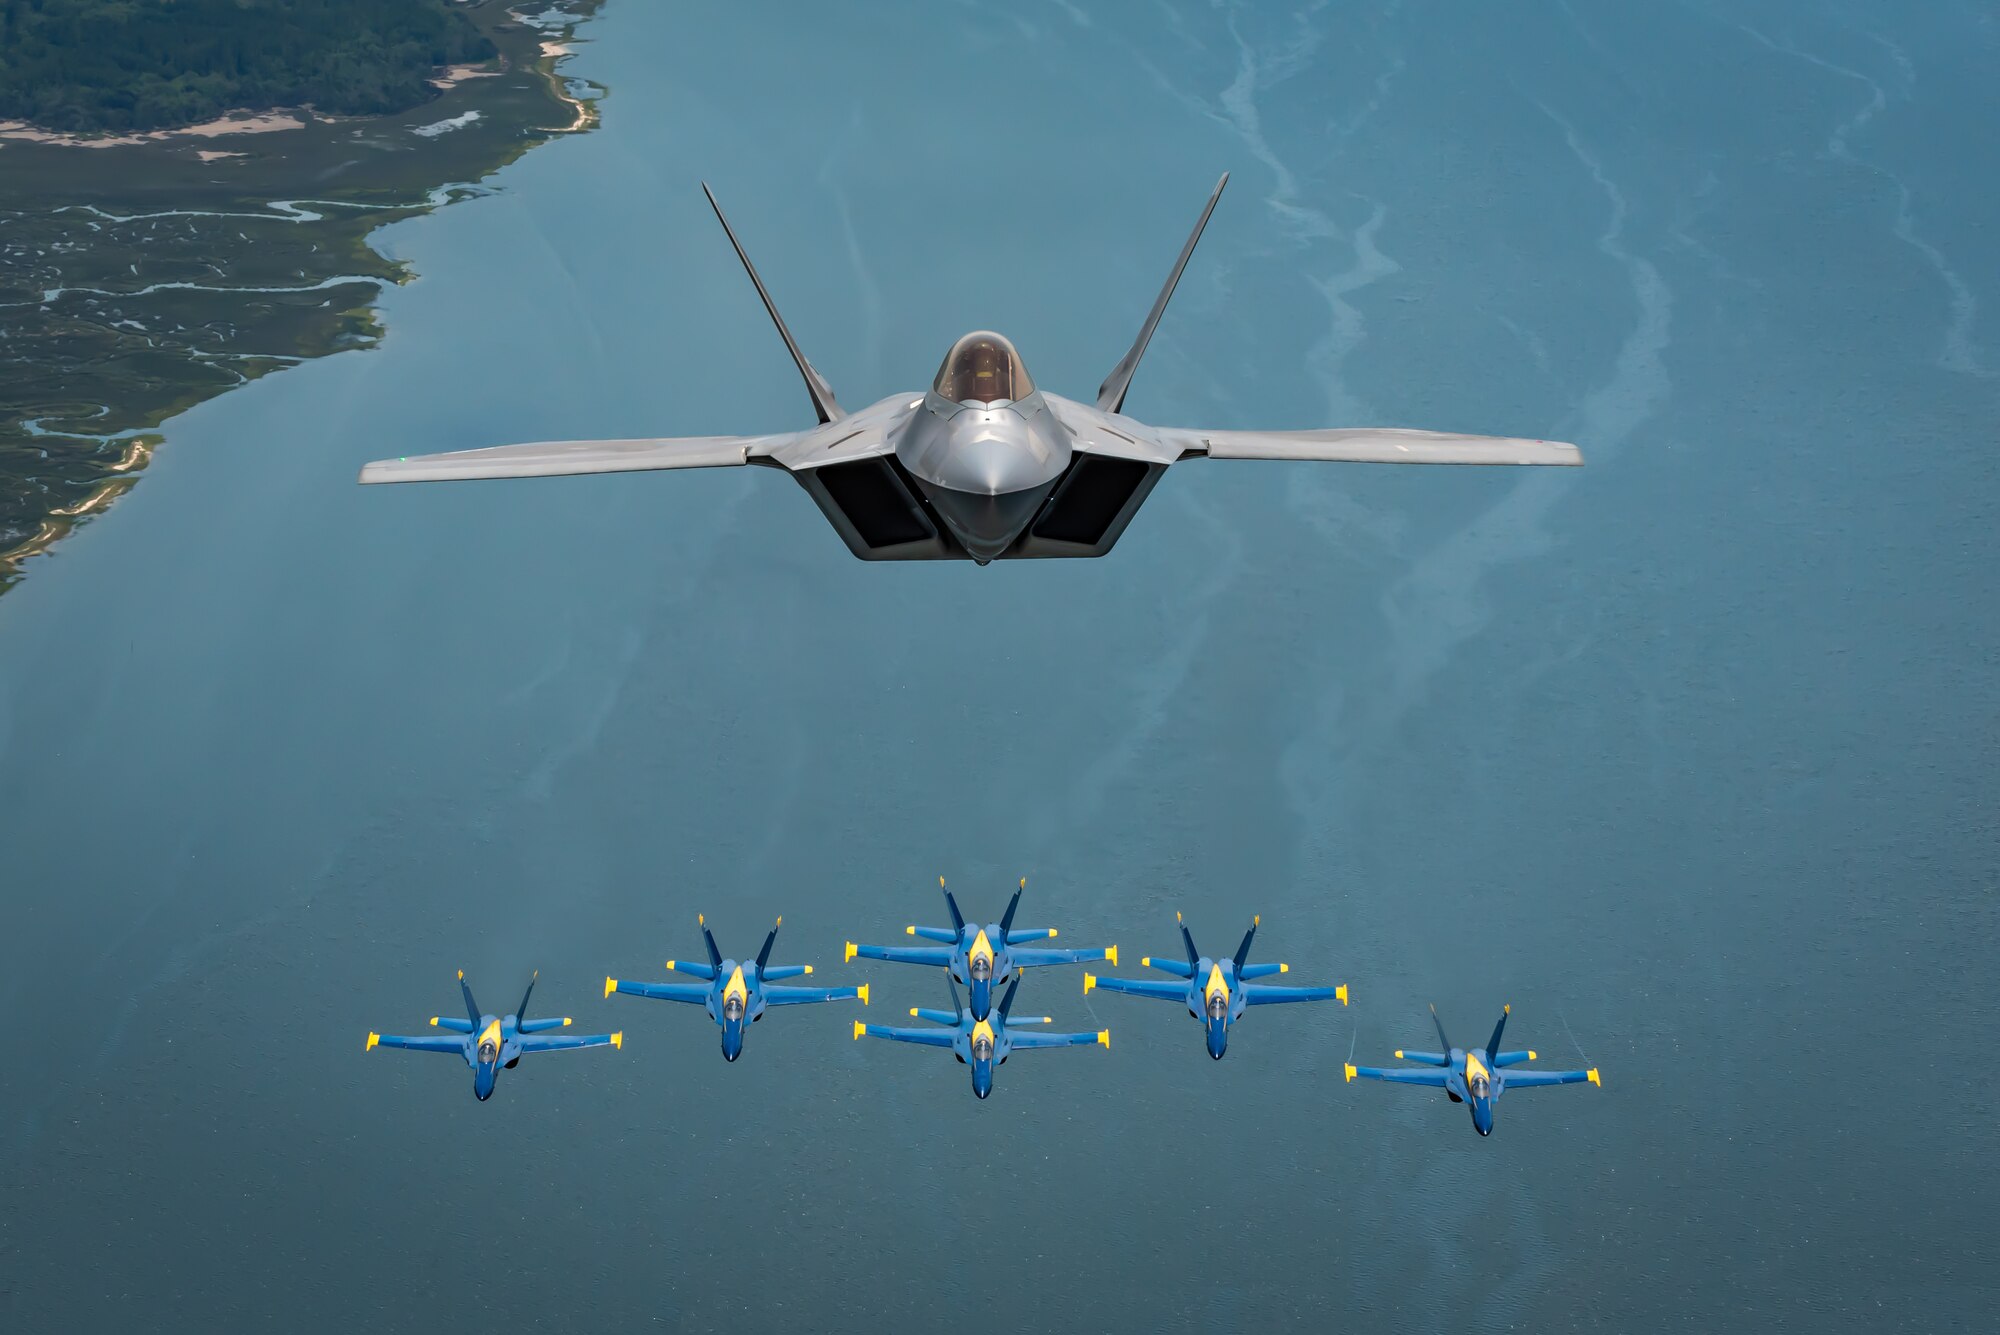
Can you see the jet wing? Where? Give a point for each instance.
(555, 458)
(557, 1043)
(1369, 445)
(1400, 1076)
(1530, 1079)
(1034, 1040)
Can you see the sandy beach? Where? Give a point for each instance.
(233, 123)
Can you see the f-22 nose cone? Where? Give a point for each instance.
(986, 525)
(985, 468)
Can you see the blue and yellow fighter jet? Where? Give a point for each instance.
(1476, 1076)
(489, 1042)
(735, 994)
(981, 1042)
(982, 958)
(1216, 991)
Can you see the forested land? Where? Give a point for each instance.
(156, 64)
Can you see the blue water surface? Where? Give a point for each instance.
(1686, 754)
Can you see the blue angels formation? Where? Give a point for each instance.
(981, 1034)
(736, 994)
(981, 958)
(489, 1042)
(1215, 991)
(1475, 1077)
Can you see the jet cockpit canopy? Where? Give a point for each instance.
(984, 368)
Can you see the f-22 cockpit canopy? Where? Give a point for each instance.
(984, 368)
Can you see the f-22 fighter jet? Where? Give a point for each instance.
(983, 465)
(735, 994)
(981, 957)
(1475, 1077)
(489, 1042)
(1216, 992)
(983, 1043)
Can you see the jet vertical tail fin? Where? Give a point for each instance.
(957, 918)
(1111, 394)
(471, 1006)
(1243, 951)
(822, 393)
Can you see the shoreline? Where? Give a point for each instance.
(79, 327)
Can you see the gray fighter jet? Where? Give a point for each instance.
(984, 464)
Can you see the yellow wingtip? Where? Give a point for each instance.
(1256, 920)
(1145, 961)
(1053, 933)
(1111, 956)
(1347, 1068)
(859, 1029)
(809, 968)
(913, 1012)
(610, 985)
(1506, 1010)
(1284, 968)
(1593, 1078)
(1399, 1054)
(1089, 982)
(373, 1039)
(701, 920)
(940, 881)
(1104, 1038)
(1341, 992)
(862, 992)
(1177, 915)
(1531, 1054)
(434, 1021)
(461, 975)
(1024, 883)
(618, 1040)
(852, 951)
(566, 1021)
(911, 930)
(670, 965)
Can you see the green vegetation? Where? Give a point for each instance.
(139, 279)
(84, 65)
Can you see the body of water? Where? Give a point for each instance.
(1686, 754)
